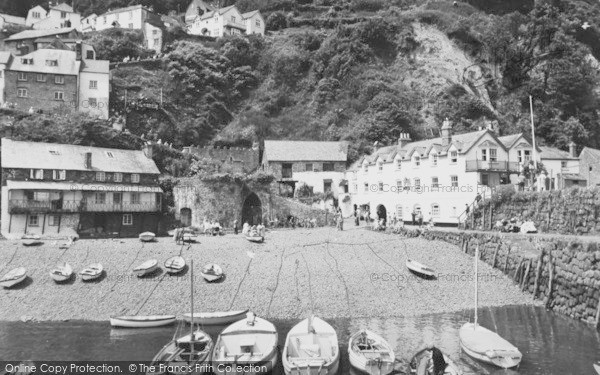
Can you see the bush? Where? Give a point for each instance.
(277, 21)
(367, 5)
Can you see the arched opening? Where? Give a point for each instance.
(252, 210)
(185, 215)
(382, 213)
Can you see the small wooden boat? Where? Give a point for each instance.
(422, 364)
(61, 273)
(597, 367)
(190, 237)
(31, 240)
(420, 269)
(14, 277)
(311, 347)
(257, 239)
(487, 346)
(92, 272)
(146, 268)
(175, 264)
(215, 318)
(250, 344)
(142, 321)
(211, 272)
(370, 353)
(147, 237)
(189, 351)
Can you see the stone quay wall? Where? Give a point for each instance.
(568, 211)
(562, 272)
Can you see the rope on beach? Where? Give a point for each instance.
(276, 283)
(240, 284)
(151, 293)
(312, 301)
(116, 278)
(11, 258)
(340, 277)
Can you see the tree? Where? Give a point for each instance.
(277, 21)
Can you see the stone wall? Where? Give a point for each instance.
(564, 273)
(568, 211)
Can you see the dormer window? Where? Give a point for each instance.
(27, 61)
(398, 164)
(233, 19)
(416, 160)
(36, 15)
(434, 159)
(379, 166)
(365, 167)
(453, 157)
(63, 14)
(51, 62)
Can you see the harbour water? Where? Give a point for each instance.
(551, 344)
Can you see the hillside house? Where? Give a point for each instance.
(562, 168)
(58, 17)
(226, 21)
(589, 166)
(59, 190)
(28, 41)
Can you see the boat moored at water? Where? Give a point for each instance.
(215, 318)
(142, 321)
(370, 353)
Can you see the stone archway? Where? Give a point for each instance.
(185, 216)
(252, 210)
(382, 213)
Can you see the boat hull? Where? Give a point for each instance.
(147, 237)
(503, 358)
(174, 265)
(142, 322)
(258, 239)
(371, 366)
(215, 318)
(13, 282)
(144, 270)
(420, 269)
(249, 368)
(330, 369)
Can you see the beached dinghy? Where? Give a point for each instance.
(311, 348)
(146, 268)
(147, 237)
(92, 272)
(370, 353)
(31, 240)
(142, 321)
(212, 272)
(190, 237)
(175, 264)
(257, 239)
(250, 343)
(215, 318)
(14, 277)
(61, 273)
(422, 364)
(420, 269)
(483, 344)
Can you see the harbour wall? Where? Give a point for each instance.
(563, 272)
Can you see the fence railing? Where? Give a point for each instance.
(499, 166)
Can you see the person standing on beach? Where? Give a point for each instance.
(420, 217)
(414, 215)
(235, 226)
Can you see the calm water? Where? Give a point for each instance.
(550, 344)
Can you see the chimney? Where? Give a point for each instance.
(403, 140)
(88, 160)
(573, 149)
(148, 150)
(446, 132)
(78, 51)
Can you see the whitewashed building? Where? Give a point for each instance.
(226, 21)
(58, 16)
(438, 176)
(35, 14)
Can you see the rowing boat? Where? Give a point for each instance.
(311, 348)
(146, 268)
(257, 239)
(14, 277)
(370, 353)
(92, 272)
(142, 321)
(215, 318)
(422, 364)
(147, 237)
(175, 264)
(31, 240)
(420, 269)
(61, 273)
(212, 272)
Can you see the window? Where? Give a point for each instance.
(417, 183)
(59, 174)
(41, 196)
(308, 167)
(130, 26)
(36, 174)
(127, 219)
(51, 62)
(135, 198)
(380, 166)
(453, 157)
(399, 213)
(156, 42)
(399, 185)
(100, 176)
(366, 167)
(257, 23)
(434, 159)
(135, 178)
(435, 183)
(63, 14)
(118, 177)
(92, 102)
(94, 85)
(484, 154)
(41, 77)
(53, 220)
(407, 183)
(59, 80)
(22, 76)
(34, 221)
(104, 19)
(524, 156)
(417, 160)
(89, 55)
(485, 179)
(563, 164)
(493, 155)
(398, 164)
(366, 187)
(100, 198)
(59, 95)
(454, 211)
(22, 93)
(286, 170)
(454, 181)
(435, 210)
(326, 185)
(154, 32)
(36, 15)
(117, 199)
(27, 61)
(233, 19)
(328, 167)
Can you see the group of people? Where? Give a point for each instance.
(252, 231)
(213, 227)
(418, 219)
(515, 225)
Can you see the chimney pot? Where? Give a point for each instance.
(403, 140)
(88, 160)
(446, 132)
(148, 150)
(573, 149)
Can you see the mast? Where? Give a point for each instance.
(476, 283)
(192, 307)
(534, 153)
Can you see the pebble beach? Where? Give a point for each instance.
(334, 274)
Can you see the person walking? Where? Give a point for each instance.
(420, 217)
(235, 226)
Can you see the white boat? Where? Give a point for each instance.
(147, 237)
(61, 273)
(31, 240)
(597, 367)
(146, 268)
(311, 348)
(175, 264)
(186, 354)
(370, 353)
(92, 272)
(257, 239)
(422, 364)
(420, 269)
(142, 321)
(483, 344)
(212, 272)
(249, 344)
(14, 277)
(190, 237)
(215, 318)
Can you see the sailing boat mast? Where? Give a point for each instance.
(476, 284)
(192, 308)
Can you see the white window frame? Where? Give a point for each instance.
(366, 184)
(53, 220)
(135, 198)
(93, 84)
(118, 177)
(416, 161)
(435, 210)
(399, 212)
(59, 174)
(435, 182)
(417, 183)
(22, 93)
(454, 181)
(484, 156)
(40, 75)
(453, 157)
(398, 164)
(59, 80)
(33, 174)
(127, 219)
(33, 221)
(100, 197)
(135, 178)
(434, 160)
(59, 95)
(100, 176)
(493, 155)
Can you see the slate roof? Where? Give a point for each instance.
(5, 57)
(95, 66)
(67, 63)
(71, 157)
(13, 19)
(554, 153)
(305, 151)
(220, 11)
(250, 14)
(34, 34)
(64, 7)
